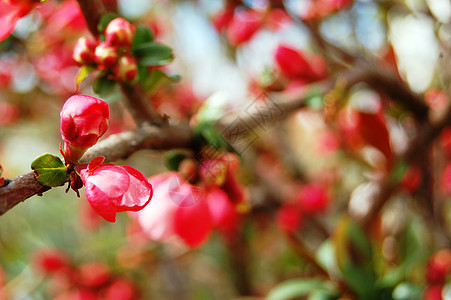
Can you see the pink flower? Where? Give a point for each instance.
(156, 219)
(111, 188)
(84, 119)
(186, 211)
(119, 32)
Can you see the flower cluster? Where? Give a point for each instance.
(92, 280)
(109, 188)
(191, 211)
(112, 55)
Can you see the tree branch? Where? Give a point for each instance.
(115, 147)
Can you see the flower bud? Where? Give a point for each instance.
(105, 55)
(126, 69)
(84, 119)
(119, 32)
(111, 189)
(84, 51)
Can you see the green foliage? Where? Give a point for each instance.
(103, 86)
(152, 54)
(156, 79)
(50, 170)
(290, 289)
(142, 35)
(174, 158)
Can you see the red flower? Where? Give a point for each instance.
(10, 13)
(84, 51)
(119, 32)
(84, 119)
(94, 274)
(412, 178)
(193, 224)
(120, 289)
(289, 218)
(50, 260)
(111, 188)
(294, 65)
(313, 198)
(439, 267)
(126, 69)
(187, 211)
(105, 55)
(243, 26)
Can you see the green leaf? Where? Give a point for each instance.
(50, 170)
(82, 74)
(142, 35)
(105, 20)
(207, 134)
(174, 158)
(295, 288)
(103, 86)
(152, 54)
(156, 79)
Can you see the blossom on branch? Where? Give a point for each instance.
(84, 119)
(111, 189)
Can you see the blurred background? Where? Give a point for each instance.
(336, 148)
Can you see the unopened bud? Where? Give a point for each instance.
(119, 32)
(84, 51)
(105, 55)
(127, 69)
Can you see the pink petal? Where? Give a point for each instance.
(139, 191)
(193, 224)
(9, 15)
(100, 202)
(156, 219)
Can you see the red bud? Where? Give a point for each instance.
(105, 55)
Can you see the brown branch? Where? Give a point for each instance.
(92, 11)
(118, 146)
(139, 105)
(18, 190)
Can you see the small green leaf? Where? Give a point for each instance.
(50, 170)
(174, 158)
(295, 288)
(82, 74)
(103, 86)
(153, 54)
(105, 20)
(142, 35)
(156, 79)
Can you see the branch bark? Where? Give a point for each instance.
(118, 146)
